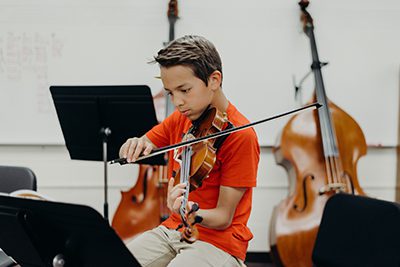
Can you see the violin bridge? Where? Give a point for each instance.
(225, 116)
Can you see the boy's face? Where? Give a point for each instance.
(188, 93)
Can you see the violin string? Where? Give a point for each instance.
(187, 188)
(161, 187)
(183, 179)
(186, 163)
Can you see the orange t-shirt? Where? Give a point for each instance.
(235, 166)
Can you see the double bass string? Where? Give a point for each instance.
(332, 158)
(333, 165)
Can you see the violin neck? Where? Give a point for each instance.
(184, 178)
(325, 120)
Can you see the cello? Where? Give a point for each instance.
(320, 151)
(140, 208)
(144, 206)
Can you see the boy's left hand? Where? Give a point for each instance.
(175, 196)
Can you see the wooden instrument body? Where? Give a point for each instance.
(296, 219)
(140, 207)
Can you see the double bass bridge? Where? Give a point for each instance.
(333, 188)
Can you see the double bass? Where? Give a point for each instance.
(320, 151)
(144, 206)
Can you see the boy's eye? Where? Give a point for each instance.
(185, 90)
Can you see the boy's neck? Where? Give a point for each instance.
(220, 101)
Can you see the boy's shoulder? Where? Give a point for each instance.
(238, 119)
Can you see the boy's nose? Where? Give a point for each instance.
(177, 101)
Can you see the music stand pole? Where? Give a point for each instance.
(105, 132)
(88, 114)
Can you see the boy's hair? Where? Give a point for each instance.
(192, 51)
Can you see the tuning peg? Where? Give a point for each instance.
(197, 219)
(195, 207)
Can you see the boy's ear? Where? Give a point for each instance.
(215, 79)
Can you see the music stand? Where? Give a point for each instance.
(97, 120)
(44, 233)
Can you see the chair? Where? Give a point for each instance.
(14, 178)
(11, 179)
(358, 231)
(6, 261)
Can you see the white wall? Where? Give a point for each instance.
(262, 45)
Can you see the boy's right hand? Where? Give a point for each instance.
(135, 147)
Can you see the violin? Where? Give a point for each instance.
(197, 162)
(203, 154)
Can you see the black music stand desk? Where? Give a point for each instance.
(44, 233)
(127, 110)
(97, 120)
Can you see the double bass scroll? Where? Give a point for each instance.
(144, 206)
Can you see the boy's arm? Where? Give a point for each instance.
(221, 216)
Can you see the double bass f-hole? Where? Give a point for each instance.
(296, 206)
(147, 174)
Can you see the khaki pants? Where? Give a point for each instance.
(162, 247)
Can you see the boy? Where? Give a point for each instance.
(191, 72)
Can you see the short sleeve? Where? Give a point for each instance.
(160, 134)
(239, 156)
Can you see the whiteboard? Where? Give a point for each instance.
(261, 43)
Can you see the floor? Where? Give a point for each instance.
(259, 259)
(259, 264)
